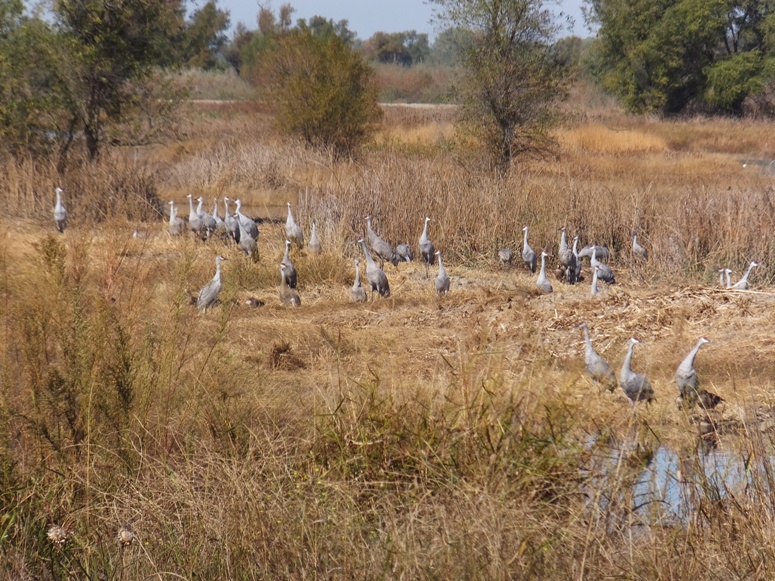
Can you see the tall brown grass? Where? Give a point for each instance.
(412, 437)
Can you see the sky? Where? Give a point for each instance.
(366, 17)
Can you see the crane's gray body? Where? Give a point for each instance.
(289, 271)
(382, 248)
(542, 283)
(313, 246)
(597, 367)
(358, 293)
(375, 275)
(529, 257)
(176, 225)
(604, 272)
(288, 296)
(442, 280)
(635, 386)
(209, 294)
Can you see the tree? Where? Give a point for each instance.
(109, 46)
(512, 78)
(450, 46)
(401, 48)
(320, 89)
(672, 55)
(205, 35)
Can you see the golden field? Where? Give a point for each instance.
(410, 437)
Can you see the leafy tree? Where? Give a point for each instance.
(669, 55)
(512, 78)
(320, 89)
(205, 35)
(240, 40)
(110, 45)
(450, 45)
(320, 26)
(402, 48)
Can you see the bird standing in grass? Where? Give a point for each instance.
(635, 386)
(249, 224)
(375, 275)
(604, 272)
(209, 294)
(314, 246)
(195, 223)
(543, 284)
(427, 251)
(442, 280)
(293, 230)
(358, 293)
(742, 284)
(637, 250)
(232, 224)
(60, 214)
(381, 247)
(289, 271)
(175, 226)
(597, 367)
(529, 256)
(689, 384)
(404, 253)
(288, 296)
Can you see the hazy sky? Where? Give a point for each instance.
(366, 17)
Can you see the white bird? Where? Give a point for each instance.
(288, 296)
(60, 214)
(442, 280)
(289, 271)
(686, 376)
(724, 273)
(604, 272)
(635, 386)
(208, 222)
(209, 294)
(175, 226)
(427, 251)
(293, 230)
(195, 223)
(375, 275)
(543, 284)
(595, 291)
(597, 367)
(232, 224)
(742, 284)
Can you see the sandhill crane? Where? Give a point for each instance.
(567, 258)
(404, 253)
(597, 367)
(358, 293)
(442, 280)
(209, 294)
(427, 251)
(542, 283)
(600, 251)
(724, 274)
(247, 243)
(604, 272)
(637, 250)
(686, 376)
(313, 246)
(293, 230)
(577, 271)
(288, 296)
(594, 291)
(176, 225)
(220, 225)
(742, 284)
(375, 275)
(289, 270)
(60, 213)
(505, 255)
(635, 386)
(232, 224)
(529, 256)
(250, 225)
(195, 223)
(381, 247)
(208, 222)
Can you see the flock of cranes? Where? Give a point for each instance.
(244, 232)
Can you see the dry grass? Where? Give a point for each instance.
(409, 437)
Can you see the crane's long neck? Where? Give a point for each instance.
(563, 241)
(424, 236)
(626, 365)
(239, 206)
(524, 243)
(217, 276)
(634, 239)
(226, 207)
(357, 274)
(59, 199)
(314, 230)
(289, 219)
(369, 261)
(199, 206)
(215, 208)
(587, 342)
(543, 267)
(729, 279)
(594, 282)
(576, 247)
(173, 213)
(287, 246)
(441, 266)
(747, 272)
(688, 361)
(593, 259)
(721, 277)
(368, 225)
(191, 210)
